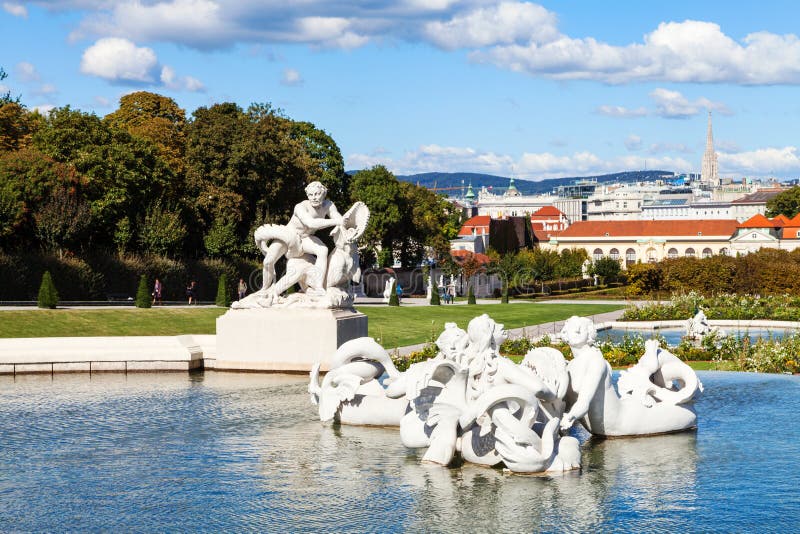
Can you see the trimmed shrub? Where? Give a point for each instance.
(223, 295)
(393, 300)
(504, 294)
(435, 300)
(143, 293)
(470, 295)
(48, 296)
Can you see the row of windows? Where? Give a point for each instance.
(630, 254)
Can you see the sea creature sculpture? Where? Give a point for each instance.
(655, 395)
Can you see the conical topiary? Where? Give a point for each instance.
(143, 296)
(393, 300)
(470, 295)
(48, 296)
(435, 301)
(223, 298)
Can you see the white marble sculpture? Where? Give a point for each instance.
(697, 327)
(323, 278)
(387, 289)
(429, 287)
(467, 400)
(655, 395)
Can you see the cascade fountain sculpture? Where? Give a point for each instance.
(470, 401)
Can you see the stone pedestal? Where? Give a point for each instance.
(270, 339)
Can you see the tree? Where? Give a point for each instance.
(471, 295)
(380, 191)
(12, 209)
(785, 203)
(608, 269)
(162, 232)
(223, 296)
(508, 268)
(143, 297)
(435, 300)
(62, 219)
(16, 126)
(326, 163)
(394, 300)
(156, 118)
(470, 266)
(48, 295)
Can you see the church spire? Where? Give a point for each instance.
(709, 174)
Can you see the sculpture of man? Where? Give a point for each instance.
(309, 216)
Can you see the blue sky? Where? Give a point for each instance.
(533, 90)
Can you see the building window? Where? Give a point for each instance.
(630, 256)
(689, 253)
(724, 252)
(672, 253)
(614, 254)
(707, 253)
(755, 235)
(597, 254)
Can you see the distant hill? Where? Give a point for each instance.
(442, 180)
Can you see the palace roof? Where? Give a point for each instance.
(709, 227)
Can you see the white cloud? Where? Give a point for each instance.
(121, 61)
(689, 51)
(622, 112)
(101, 101)
(673, 105)
(179, 83)
(633, 143)
(762, 162)
(507, 22)
(27, 72)
(517, 35)
(118, 59)
(660, 148)
(530, 166)
(18, 10)
(291, 77)
(44, 109)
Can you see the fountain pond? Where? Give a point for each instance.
(227, 451)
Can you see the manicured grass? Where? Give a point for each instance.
(114, 322)
(395, 326)
(398, 327)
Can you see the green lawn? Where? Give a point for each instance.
(396, 327)
(409, 325)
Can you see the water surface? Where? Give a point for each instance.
(222, 451)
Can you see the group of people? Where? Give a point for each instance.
(192, 291)
(447, 294)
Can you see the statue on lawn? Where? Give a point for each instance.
(323, 278)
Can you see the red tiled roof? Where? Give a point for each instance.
(795, 221)
(479, 221)
(757, 221)
(541, 235)
(461, 255)
(710, 227)
(780, 220)
(547, 211)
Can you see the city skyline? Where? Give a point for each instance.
(530, 90)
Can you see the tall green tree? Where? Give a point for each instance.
(325, 161)
(785, 203)
(156, 118)
(380, 191)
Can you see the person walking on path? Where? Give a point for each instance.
(157, 289)
(399, 292)
(242, 289)
(191, 292)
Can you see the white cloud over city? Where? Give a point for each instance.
(540, 165)
(519, 36)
